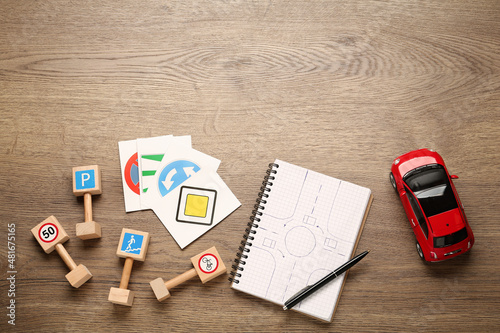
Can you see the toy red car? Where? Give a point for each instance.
(431, 202)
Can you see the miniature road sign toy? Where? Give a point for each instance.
(431, 203)
(51, 235)
(207, 266)
(86, 182)
(133, 245)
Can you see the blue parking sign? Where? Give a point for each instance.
(85, 179)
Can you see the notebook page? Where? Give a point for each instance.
(308, 228)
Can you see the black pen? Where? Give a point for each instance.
(310, 289)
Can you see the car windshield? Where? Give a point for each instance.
(451, 239)
(432, 188)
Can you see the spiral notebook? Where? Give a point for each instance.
(305, 225)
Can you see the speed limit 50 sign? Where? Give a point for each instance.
(48, 233)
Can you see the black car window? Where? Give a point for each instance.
(418, 214)
(432, 188)
(450, 239)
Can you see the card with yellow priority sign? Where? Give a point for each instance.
(196, 205)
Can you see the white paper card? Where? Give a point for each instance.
(167, 207)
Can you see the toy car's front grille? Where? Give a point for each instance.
(452, 252)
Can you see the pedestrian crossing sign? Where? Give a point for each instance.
(133, 244)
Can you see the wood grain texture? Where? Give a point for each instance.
(340, 87)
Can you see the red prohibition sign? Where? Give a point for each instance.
(128, 178)
(216, 263)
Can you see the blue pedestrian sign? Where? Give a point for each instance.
(132, 243)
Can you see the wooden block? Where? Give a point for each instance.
(88, 230)
(159, 288)
(49, 233)
(87, 179)
(121, 296)
(133, 244)
(78, 276)
(208, 264)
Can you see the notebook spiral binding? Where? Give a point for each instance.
(246, 243)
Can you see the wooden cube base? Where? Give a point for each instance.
(121, 296)
(78, 276)
(160, 290)
(88, 230)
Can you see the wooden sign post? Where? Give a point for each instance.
(207, 266)
(51, 235)
(87, 181)
(133, 245)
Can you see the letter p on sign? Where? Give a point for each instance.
(87, 180)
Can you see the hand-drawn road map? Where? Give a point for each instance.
(309, 226)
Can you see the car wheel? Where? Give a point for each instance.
(420, 252)
(393, 182)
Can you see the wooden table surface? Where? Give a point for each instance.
(340, 87)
